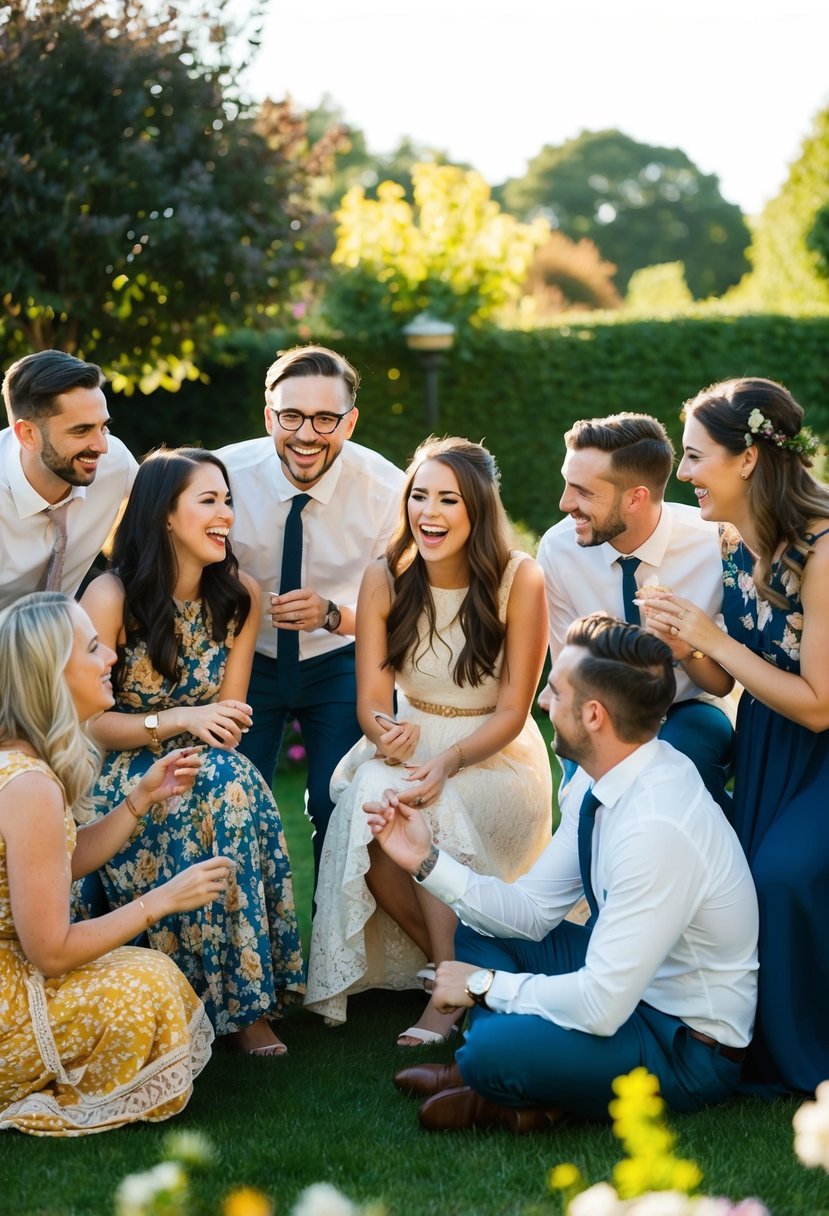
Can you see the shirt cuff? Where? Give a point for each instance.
(447, 880)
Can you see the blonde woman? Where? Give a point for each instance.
(91, 1036)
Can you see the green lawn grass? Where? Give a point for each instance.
(328, 1112)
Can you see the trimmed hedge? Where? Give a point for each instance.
(517, 391)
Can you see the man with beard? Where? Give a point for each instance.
(63, 477)
(312, 510)
(663, 976)
(620, 536)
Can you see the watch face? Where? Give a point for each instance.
(151, 721)
(479, 982)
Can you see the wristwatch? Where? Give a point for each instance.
(479, 984)
(151, 727)
(332, 618)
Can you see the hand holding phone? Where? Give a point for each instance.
(386, 722)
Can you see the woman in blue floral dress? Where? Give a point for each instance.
(747, 454)
(183, 621)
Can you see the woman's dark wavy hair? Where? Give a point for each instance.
(631, 672)
(782, 495)
(488, 551)
(144, 559)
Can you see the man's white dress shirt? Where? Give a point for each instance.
(354, 508)
(682, 554)
(677, 920)
(27, 534)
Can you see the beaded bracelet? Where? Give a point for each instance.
(131, 807)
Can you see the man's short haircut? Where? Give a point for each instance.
(32, 384)
(641, 452)
(629, 671)
(312, 361)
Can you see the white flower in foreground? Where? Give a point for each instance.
(660, 1203)
(138, 1191)
(711, 1205)
(322, 1199)
(811, 1129)
(191, 1148)
(598, 1200)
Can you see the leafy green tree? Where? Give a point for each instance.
(790, 252)
(452, 250)
(145, 209)
(640, 205)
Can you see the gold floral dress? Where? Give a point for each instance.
(114, 1042)
(242, 954)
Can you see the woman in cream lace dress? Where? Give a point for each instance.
(93, 1034)
(457, 623)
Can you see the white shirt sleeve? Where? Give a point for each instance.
(648, 906)
(560, 608)
(528, 908)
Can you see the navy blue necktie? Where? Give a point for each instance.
(629, 589)
(587, 820)
(287, 655)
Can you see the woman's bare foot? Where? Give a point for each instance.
(259, 1039)
(436, 1027)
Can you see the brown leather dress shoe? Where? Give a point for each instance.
(458, 1108)
(427, 1079)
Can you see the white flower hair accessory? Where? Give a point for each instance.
(805, 442)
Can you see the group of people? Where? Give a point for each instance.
(142, 710)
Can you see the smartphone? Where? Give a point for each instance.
(384, 720)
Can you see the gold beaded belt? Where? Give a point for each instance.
(450, 711)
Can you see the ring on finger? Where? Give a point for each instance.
(674, 630)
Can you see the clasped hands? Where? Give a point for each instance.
(299, 610)
(398, 744)
(219, 724)
(682, 625)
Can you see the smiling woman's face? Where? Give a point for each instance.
(87, 672)
(714, 472)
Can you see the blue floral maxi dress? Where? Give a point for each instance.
(781, 789)
(242, 954)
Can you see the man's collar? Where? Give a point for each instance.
(322, 490)
(615, 783)
(25, 497)
(652, 551)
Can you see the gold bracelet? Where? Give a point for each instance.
(695, 654)
(149, 921)
(462, 764)
(131, 807)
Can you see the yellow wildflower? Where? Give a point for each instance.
(246, 1201)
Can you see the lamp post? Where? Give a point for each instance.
(430, 338)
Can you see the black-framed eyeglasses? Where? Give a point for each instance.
(323, 424)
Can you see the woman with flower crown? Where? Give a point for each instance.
(747, 455)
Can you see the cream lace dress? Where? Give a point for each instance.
(116, 1041)
(494, 816)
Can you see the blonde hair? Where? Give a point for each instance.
(36, 638)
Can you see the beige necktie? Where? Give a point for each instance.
(54, 571)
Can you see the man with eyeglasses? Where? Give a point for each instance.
(312, 510)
